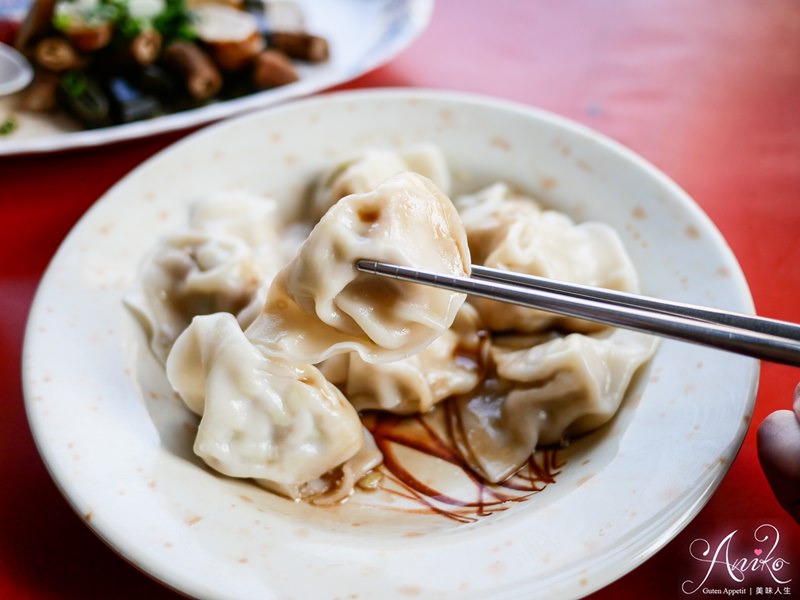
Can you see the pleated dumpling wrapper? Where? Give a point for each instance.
(546, 394)
(215, 264)
(262, 416)
(550, 244)
(320, 305)
(365, 172)
(452, 364)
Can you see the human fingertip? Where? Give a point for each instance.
(796, 404)
(778, 446)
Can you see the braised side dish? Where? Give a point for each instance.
(282, 347)
(107, 62)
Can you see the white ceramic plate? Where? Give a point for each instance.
(118, 443)
(362, 36)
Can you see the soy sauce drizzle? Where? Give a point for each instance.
(432, 434)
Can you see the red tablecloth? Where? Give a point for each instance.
(707, 90)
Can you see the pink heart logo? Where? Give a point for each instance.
(757, 551)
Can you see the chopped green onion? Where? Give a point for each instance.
(74, 83)
(176, 22)
(8, 126)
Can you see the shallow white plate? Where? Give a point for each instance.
(118, 443)
(362, 36)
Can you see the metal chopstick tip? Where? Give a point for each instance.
(366, 265)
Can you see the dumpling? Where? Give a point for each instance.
(319, 305)
(190, 274)
(247, 217)
(549, 244)
(339, 483)
(452, 364)
(554, 391)
(216, 265)
(261, 416)
(369, 170)
(488, 214)
(428, 160)
(575, 383)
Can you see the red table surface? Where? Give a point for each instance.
(707, 91)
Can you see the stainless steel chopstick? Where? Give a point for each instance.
(703, 313)
(674, 324)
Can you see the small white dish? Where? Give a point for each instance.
(119, 444)
(15, 71)
(362, 36)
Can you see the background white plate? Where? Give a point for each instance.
(118, 443)
(362, 34)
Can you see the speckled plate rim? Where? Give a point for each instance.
(641, 544)
(399, 33)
